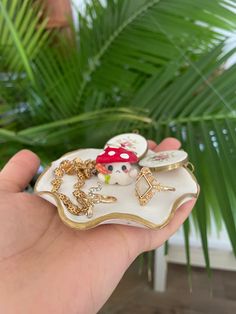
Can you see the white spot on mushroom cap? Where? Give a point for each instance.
(111, 153)
(102, 153)
(124, 155)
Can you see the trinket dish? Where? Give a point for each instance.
(118, 204)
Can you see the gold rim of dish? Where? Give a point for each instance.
(122, 216)
(169, 167)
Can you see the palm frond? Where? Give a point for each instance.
(21, 35)
(134, 44)
(201, 113)
(116, 45)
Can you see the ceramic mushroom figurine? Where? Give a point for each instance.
(114, 166)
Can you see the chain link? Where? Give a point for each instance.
(83, 170)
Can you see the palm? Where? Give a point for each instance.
(69, 269)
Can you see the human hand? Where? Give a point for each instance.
(47, 267)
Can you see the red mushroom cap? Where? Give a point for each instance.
(114, 154)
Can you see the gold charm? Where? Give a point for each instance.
(146, 186)
(83, 170)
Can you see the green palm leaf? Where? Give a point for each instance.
(21, 35)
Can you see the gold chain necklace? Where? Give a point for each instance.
(83, 170)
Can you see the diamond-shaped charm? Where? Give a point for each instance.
(143, 186)
(146, 185)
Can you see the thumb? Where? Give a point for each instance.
(19, 171)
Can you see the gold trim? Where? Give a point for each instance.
(130, 217)
(168, 167)
(40, 176)
(190, 166)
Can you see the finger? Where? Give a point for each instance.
(168, 144)
(18, 172)
(151, 144)
(139, 240)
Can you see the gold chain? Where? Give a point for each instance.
(83, 170)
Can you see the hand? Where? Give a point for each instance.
(46, 267)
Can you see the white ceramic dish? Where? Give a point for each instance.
(156, 214)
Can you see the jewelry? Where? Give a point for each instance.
(146, 186)
(164, 160)
(83, 170)
(130, 141)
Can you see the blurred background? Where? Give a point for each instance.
(75, 73)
